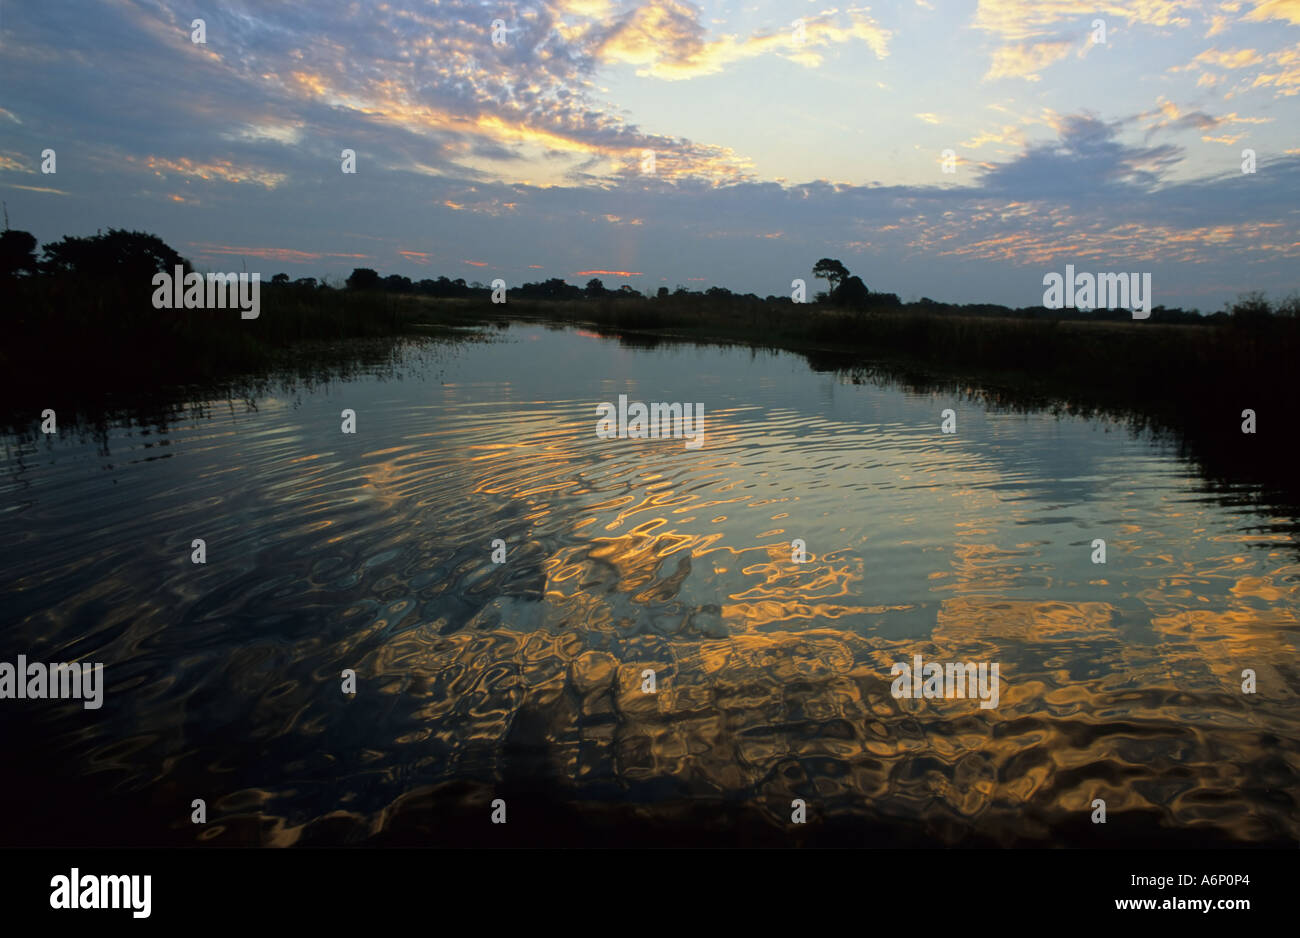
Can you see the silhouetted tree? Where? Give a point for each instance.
(363, 278)
(280, 280)
(595, 287)
(851, 293)
(119, 255)
(441, 287)
(832, 271)
(17, 253)
(662, 293)
(1251, 307)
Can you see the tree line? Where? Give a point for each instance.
(132, 257)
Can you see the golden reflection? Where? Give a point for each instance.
(772, 676)
(751, 673)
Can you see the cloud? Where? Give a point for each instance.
(524, 153)
(289, 255)
(224, 170)
(1218, 24)
(1087, 156)
(1167, 116)
(1288, 10)
(1036, 33)
(1007, 135)
(1020, 20)
(1026, 59)
(10, 185)
(1279, 70)
(1237, 58)
(446, 99)
(1286, 78)
(666, 39)
(286, 134)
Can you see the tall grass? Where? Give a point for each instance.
(108, 335)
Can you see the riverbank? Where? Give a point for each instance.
(72, 348)
(1224, 390)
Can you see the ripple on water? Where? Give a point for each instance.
(372, 553)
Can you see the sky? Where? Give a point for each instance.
(669, 143)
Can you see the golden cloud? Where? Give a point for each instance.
(223, 170)
(533, 134)
(1026, 59)
(1237, 58)
(1020, 20)
(1288, 10)
(37, 189)
(287, 255)
(667, 40)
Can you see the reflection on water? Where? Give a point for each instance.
(372, 551)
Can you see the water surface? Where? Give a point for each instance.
(372, 552)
